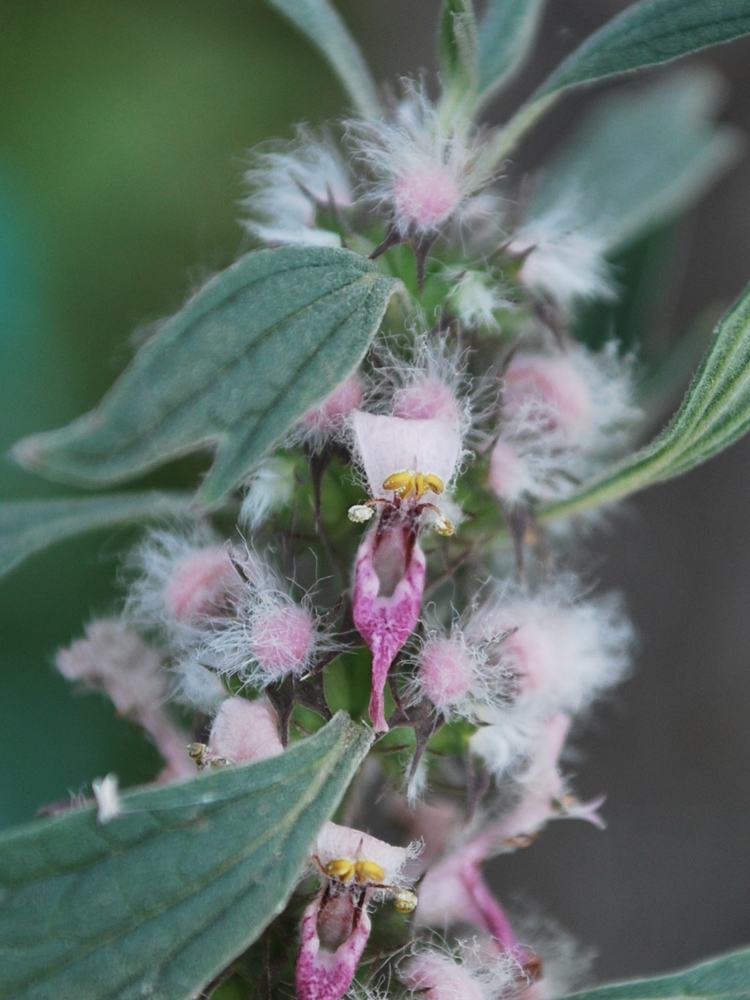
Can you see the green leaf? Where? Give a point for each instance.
(29, 526)
(714, 413)
(728, 976)
(319, 21)
(159, 900)
(458, 49)
(638, 157)
(506, 33)
(645, 34)
(256, 348)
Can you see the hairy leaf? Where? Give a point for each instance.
(638, 157)
(256, 348)
(645, 34)
(506, 33)
(726, 977)
(322, 24)
(458, 47)
(714, 413)
(159, 900)
(31, 525)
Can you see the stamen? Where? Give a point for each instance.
(407, 481)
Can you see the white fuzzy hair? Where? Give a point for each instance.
(289, 182)
(592, 641)
(552, 464)
(414, 136)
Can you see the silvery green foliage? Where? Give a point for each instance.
(397, 405)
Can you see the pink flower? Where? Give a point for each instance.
(355, 868)
(406, 463)
(454, 891)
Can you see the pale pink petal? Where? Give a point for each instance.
(391, 444)
(343, 842)
(388, 586)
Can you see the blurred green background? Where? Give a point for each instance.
(123, 127)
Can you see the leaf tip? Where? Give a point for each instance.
(30, 452)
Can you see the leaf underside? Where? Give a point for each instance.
(506, 33)
(158, 901)
(650, 33)
(726, 977)
(638, 157)
(261, 344)
(29, 526)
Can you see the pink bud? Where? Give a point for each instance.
(533, 655)
(427, 399)
(329, 417)
(446, 671)
(437, 977)
(245, 730)
(425, 197)
(509, 476)
(281, 637)
(556, 387)
(201, 585)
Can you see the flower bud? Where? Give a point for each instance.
(281, 637)
(446, 671)
(245, 730)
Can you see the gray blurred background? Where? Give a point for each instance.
(122, 133)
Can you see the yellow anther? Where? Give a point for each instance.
(402, 483)
(407, 482)
(405, 901)
(435, 483)
(368, 871)
(342, 869)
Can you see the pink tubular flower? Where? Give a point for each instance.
(406, 463)
(454, 891)
(355, 868)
